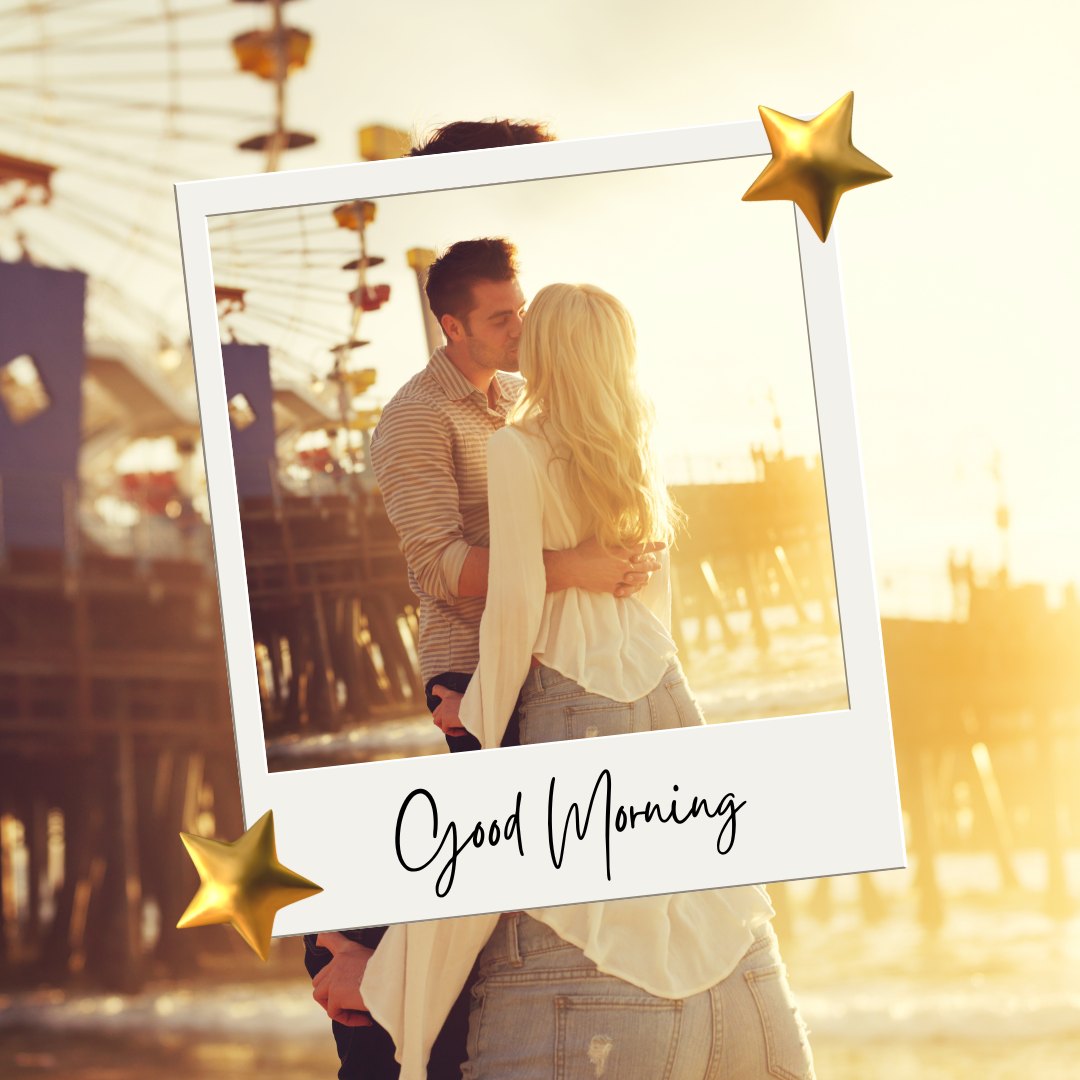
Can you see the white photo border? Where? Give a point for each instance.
(820, 790)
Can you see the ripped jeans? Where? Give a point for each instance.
(541, 1009)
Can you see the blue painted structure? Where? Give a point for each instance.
(247, 372)
(41, 315)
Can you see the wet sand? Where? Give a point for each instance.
(81, 1056)
(994, 995)
(28, 1054)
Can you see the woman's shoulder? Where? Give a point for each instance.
(507, 448)
(524, 435)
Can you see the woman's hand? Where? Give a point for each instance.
(337, 987)
(445, 715)
(642, 562)
(590, 566)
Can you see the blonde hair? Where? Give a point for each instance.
(578, 353)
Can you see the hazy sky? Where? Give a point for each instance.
(714, 290)
(960, 274)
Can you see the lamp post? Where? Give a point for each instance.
(420, 259)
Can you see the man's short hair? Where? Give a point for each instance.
(453, 274)
(481, 135)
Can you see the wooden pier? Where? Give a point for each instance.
(115, 729)
(115, 734)
(753, 545)
(334, 621)
(986, 722)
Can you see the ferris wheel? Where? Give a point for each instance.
(104, 104)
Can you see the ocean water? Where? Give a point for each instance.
(995, 993)
(802, 672)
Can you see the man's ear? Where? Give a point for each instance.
(453, 328)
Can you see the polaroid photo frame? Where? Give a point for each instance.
(497, 830)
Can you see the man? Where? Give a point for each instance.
(481, 135)
(429, 454)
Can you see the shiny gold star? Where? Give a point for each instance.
(243, 884)
(813, 163)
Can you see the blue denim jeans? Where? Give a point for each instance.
(540, 1008)
(552, 708)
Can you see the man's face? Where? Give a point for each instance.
(493, 327)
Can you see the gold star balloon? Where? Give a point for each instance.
(243, 884)
(813, 163)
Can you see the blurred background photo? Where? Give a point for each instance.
(959, 274)
(717, 302)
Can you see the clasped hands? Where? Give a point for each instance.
(337, 986)
(619, 571)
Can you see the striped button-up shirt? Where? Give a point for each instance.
(429, 453)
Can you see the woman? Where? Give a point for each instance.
(682, 986)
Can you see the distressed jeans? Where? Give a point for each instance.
(540, 1008)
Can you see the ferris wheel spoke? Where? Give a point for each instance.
(280, 340)
(258, 271)
(209, 112)
(262, 289)
(112, 26)
(79, 48)
(113, 292)
(239, 247)
(94, 151)
(256, 221)
(118, 183)
(92, 215)
(271, 255)
(80, 78)
(122, 132)
(114, 183)
(292, 323)
(243, 247)
(231, 270)
(47, 7)
(260, 231)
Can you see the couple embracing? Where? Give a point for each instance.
(534, 522)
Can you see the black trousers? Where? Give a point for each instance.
(367, 1053)
(458, 682)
